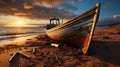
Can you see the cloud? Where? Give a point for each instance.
(27, 6)
(22, 14)
(36, 9)
(49, 3)
(1, 2)
(116, 16)
(14, 9)
(45, 3)
(73, 1)
(37, 2)
(108, 21)
(107, 4)
(68, 6)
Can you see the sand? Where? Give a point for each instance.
(103, 52)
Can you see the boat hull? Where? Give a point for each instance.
(77, 31)
(80, 42)
(75, 37)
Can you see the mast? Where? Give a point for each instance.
(53, 8)
(54, 20)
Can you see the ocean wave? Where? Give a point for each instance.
(15, 33)
(8, 37)
(12, 32)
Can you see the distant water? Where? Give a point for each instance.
(7, 33)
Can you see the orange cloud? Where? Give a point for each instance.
(37, 2)
(21, 8)
(20, 13)
(26, 6)
(47, 3)
(14, 9)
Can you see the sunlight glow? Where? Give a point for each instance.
(19, 23)
(14, 21)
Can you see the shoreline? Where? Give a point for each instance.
(28, 41)
(18, 40)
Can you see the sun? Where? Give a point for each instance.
(19, 24)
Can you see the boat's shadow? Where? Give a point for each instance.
(106, 50)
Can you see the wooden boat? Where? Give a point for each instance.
(77, 31)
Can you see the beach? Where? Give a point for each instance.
(103, 51)
(59, 33)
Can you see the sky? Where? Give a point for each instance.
(36, 12)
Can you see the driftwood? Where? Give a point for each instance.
(58, 59)
(75, 53)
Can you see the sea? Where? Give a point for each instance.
(12, 33)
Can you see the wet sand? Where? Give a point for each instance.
(103, 52)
